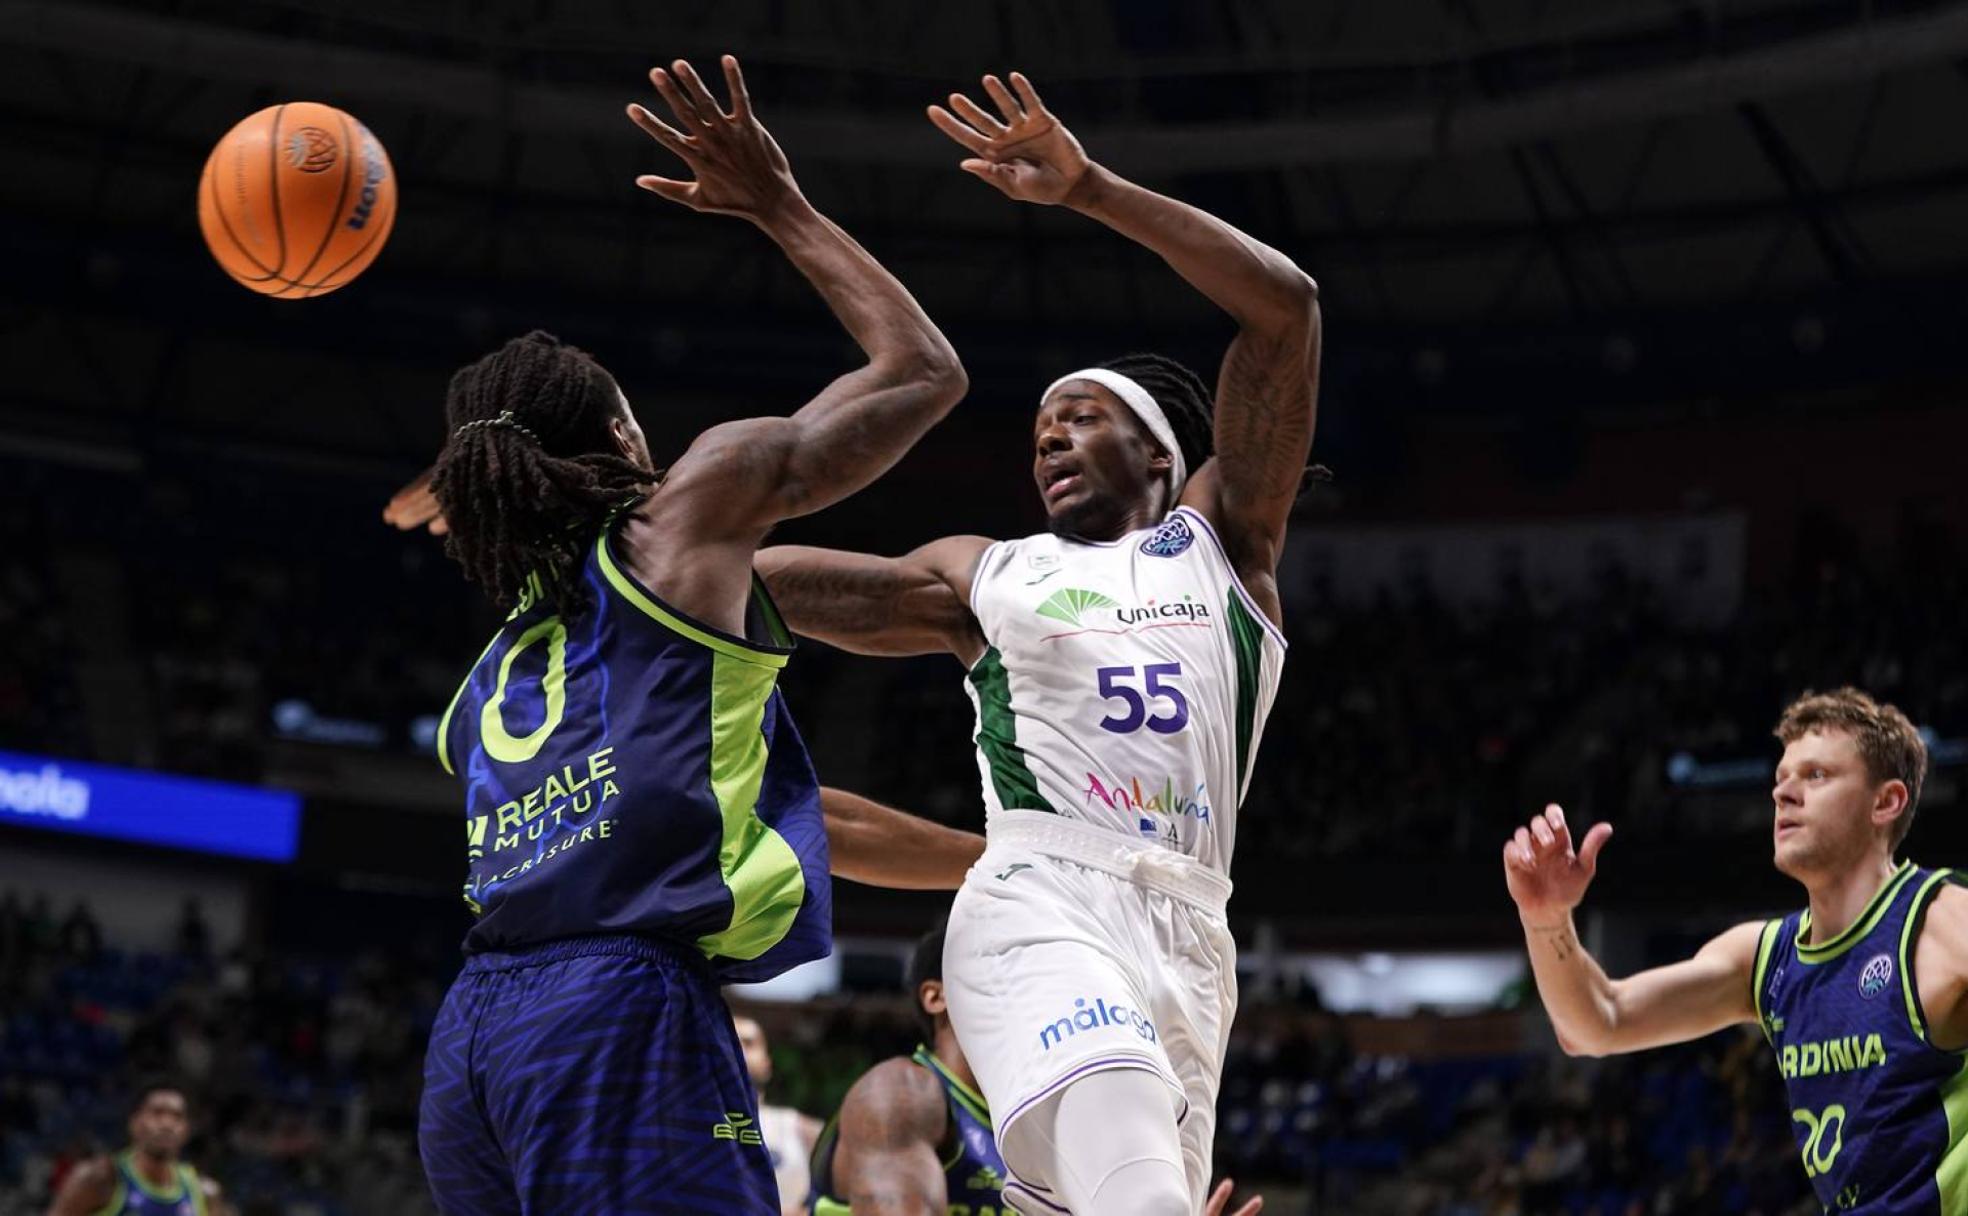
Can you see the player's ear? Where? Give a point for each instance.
(1890, 803)
(620, 431)
(931, 996)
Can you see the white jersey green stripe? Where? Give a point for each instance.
(1126, 684)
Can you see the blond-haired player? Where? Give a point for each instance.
(1863, 994)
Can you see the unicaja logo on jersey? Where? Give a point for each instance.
(1071, 604)
(1100, 1015)
(1184, 609)
(1084, 610)
(1169, 540)
(1877, 974)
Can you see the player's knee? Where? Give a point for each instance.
(1148, 1187)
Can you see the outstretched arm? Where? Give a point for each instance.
(883, 847)
(890, 1125)
(918, 603)
(751, 474)
(88, 1188)
(740, 478)
(1267, 389)
(1594, 1014)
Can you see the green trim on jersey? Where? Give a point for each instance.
(727, 647)
(972, 1100)
(761, 869)
(775, 624)
(997, 736)
(1856, 932)
(123, 1165)
(444, 723)
(1247, 638)
(1952, 1176)
(1766, 945)
(118, 1198)
(1916, 915)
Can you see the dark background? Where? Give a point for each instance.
(1615, 266)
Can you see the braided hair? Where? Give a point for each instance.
(531, 471)
(1188, 404)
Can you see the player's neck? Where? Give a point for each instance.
(1134, 519)
(153, 1168)
(952, 1058)
(1838, 899)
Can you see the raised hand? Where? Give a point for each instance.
(1220, 1199)
(415, 506)
(1023, 150)
(1546, 877)
(738, 167)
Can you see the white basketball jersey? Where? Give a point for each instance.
(1125, 684)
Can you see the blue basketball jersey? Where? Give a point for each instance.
(630, 770)
(1880, 1112)
(973, 1172)
(134, 1196)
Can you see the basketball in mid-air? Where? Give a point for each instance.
(297, 200)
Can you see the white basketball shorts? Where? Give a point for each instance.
(1073, 949)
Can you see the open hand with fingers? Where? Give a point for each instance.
(1219, 1200)
(1546, 876)
(416, 506)
(738, 167)
(1023, 150)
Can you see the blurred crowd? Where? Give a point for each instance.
(1448, 720)
(1450, 723)
(303, 1073)
(1699, 1130)
(38, 676)
(208, 616)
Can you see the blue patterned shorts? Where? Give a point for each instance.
(590, 1075)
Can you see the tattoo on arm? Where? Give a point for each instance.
(1264, 419)
(1562, 941)
(822, 598)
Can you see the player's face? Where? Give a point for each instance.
(1093, 461)
(758, 1058)
(160, 1125)
(1824, 800)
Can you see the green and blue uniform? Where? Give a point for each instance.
(135, 1196)
(973, 1172)
(1880, 1110)
(642, 824)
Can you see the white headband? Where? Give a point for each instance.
(1143, 404)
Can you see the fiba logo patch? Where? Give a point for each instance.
(311, 150)
(1877, 974)
(1172, 538)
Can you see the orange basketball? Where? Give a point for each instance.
(297, 200)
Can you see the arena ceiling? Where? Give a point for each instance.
(1434, 163)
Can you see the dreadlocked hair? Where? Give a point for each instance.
(1188, 403)
(530, 472)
